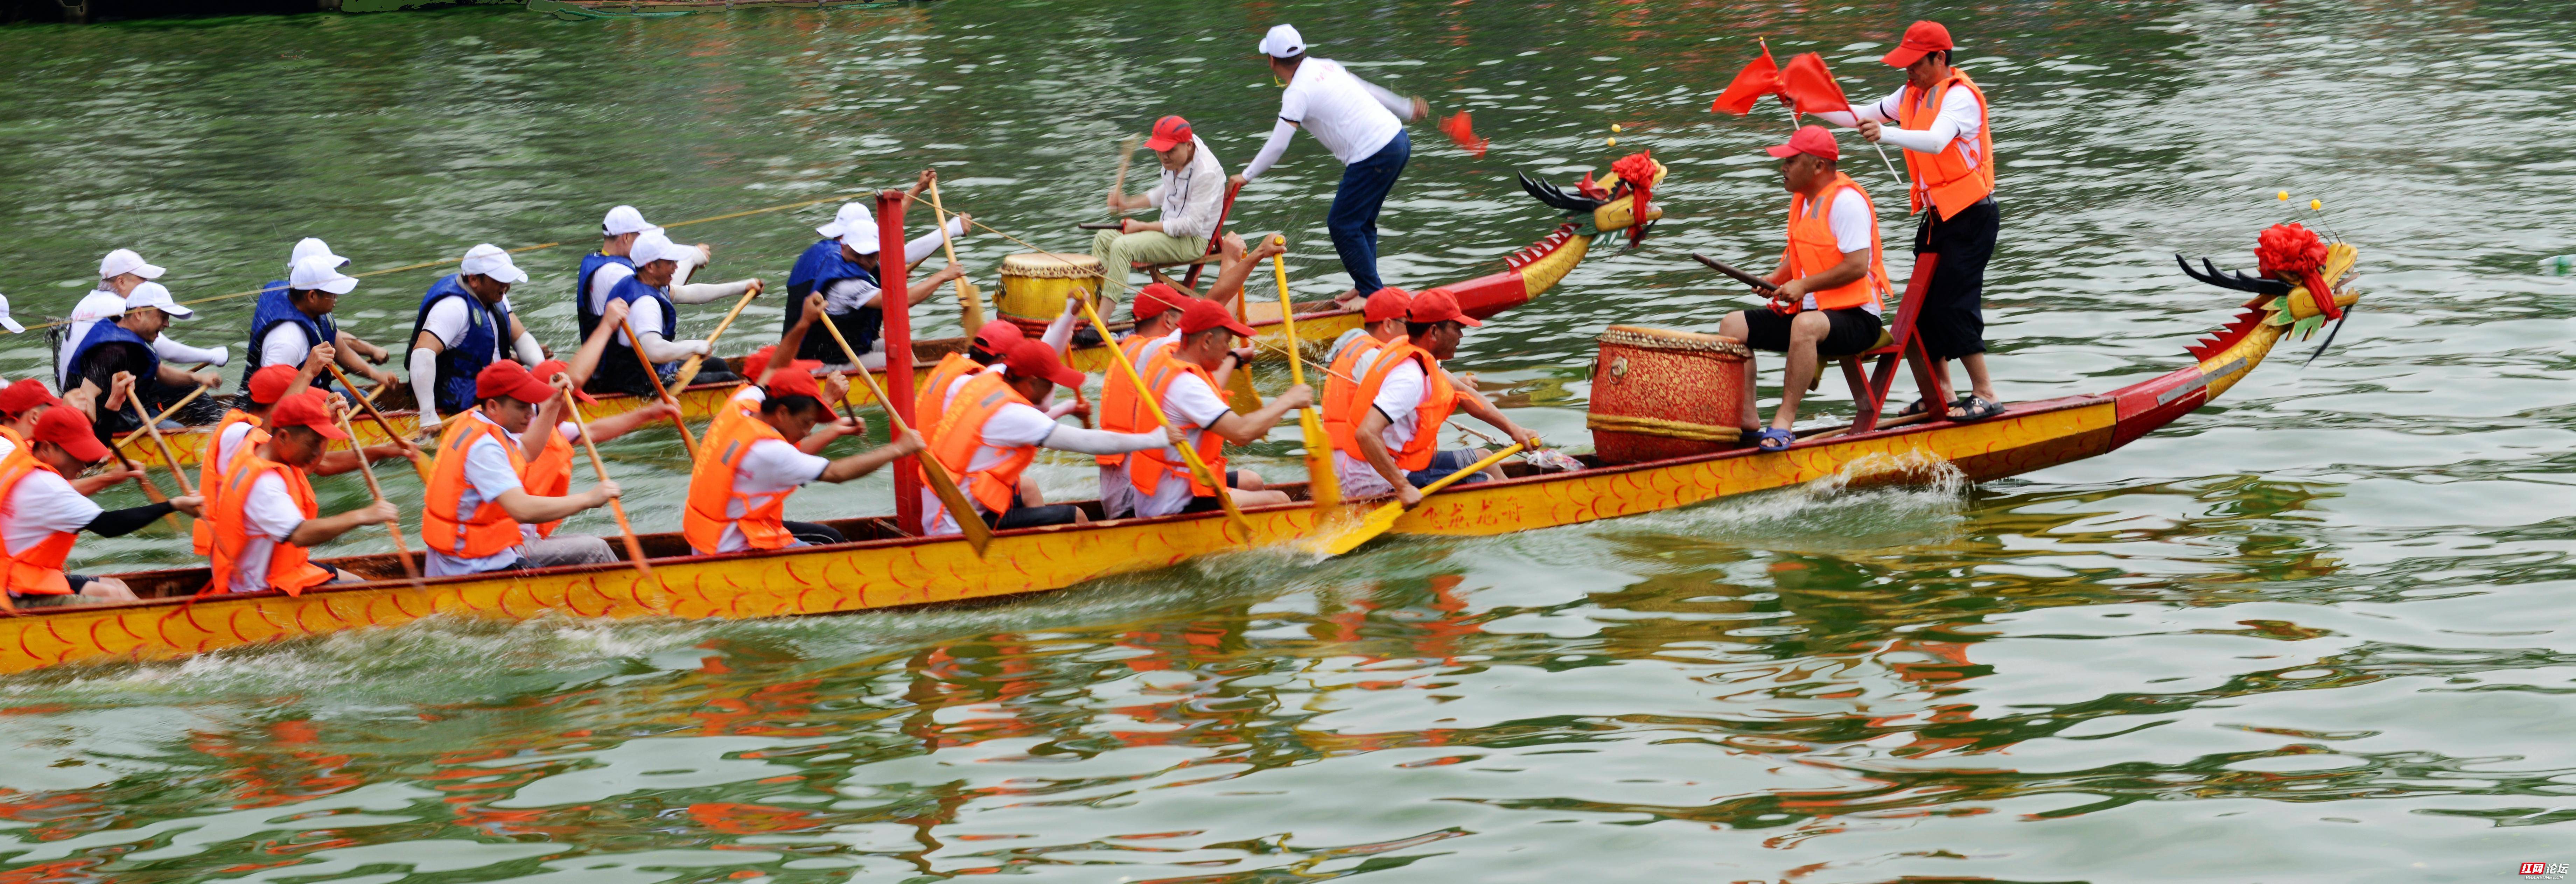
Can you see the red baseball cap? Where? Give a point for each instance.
(1201, 314)
(1154, 300)
(509, 378)
(546, 371)
(1034, 359)
(1387, 303)
(69, 428)
(1437, 305)
(997, 336)
(310, 409)
(270, 382)
(796, 378)
(27, 393)
(1921, 38)
(1810, 140)
(1168, 131)
(758, 361)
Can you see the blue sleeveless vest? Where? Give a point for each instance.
(108, 333)
(822, 264)
(276, 306)
(481, 346)
(620, 370)
(590, 264)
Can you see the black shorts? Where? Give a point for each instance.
(1952, 320)
(1853, 330)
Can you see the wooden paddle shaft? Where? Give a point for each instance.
(379, 417)
(164, 415)
(167, 455)
(1323, 486)
(960, 510)
(634, 547)
(653, 374)
(689, 371)
(394, 528)
(1189, 453)
(971, 309)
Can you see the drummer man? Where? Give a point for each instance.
(1831, 274)
(1190, 194)
(41, 514)
(763, 448)
(993, 430)
(843, 266)
(268, 520)
(479, 516)
(1185, 379)
(1361, 123)
(1386, 437)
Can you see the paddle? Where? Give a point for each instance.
(1323, 486)
(168, 456)
(1189, 453)
(634, 547)
(151, 491)
(977, 533)
(401, 550)
(165, 414)
(689, 369)
(1384, 517)
(687, 441)
(972, 307)
(417, 462)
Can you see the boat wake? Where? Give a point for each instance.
(1874, 501)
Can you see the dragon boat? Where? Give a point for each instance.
(881, 567)
(1527, 273)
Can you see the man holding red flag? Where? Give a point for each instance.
(1941, 119)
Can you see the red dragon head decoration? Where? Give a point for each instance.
(2292, 253)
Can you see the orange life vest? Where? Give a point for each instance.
(1964, 171)
(36, 570)
(1812, 248)
(1120, 410)
(1439, 398)
(930, 403)
(289, 566)
(489, 529)
(550, 475)
(711, 496)
(1146, 469)
(210, 472)
(1342, 407)
(961, 434)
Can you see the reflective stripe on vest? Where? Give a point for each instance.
(711, 496)
(1146, 469)
(210, 472)
(37, 570)
(1813, 249)
(1964, 171)
(1342, 406)
(289, 567)
(489, 529)
(961, 435)
(1439, 398)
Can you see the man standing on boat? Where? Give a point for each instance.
(1830, 285)
(764, 447)
(41, 514)
(291, 318)
(1942, 125)
(124, 347)
(118, 274)
(993, 430)
(1386, 436)
(1190, 194)
(1185, 379)
(465, 325)
(654, 314)
(843, 266)
(478, 515)
(1361, 123)
(268, 521)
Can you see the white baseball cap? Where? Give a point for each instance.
(652, 245)
(624, 220)
(152, 294)
(489, 260)
(852, 218)
(311, 246)
(314, 272)
(124, 261)
(1283, 41)
(6, 322)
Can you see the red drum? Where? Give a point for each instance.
(1658, 393)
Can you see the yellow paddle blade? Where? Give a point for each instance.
(1323, 486)
(1378, 521)
(688, 373)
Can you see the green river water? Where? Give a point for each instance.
(2310, 633)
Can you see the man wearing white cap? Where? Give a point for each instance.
(118, 274)
(291, 320)
(602, 270)
(306, 248)
(843, 266)
(464, 325)
(6, 322)
(652, 313)
(124, 348)
(1361, 123)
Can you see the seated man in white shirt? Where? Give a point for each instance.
(118, 274)
(268, 520)
(124, 347)
(1403, 398)
(40, 513)
(478, 515)
(288, 322)
(1191, 195)
(1185, 379)
(465, 324)
(993, 430)
(844, 267)
(763, 447)
(653, 314)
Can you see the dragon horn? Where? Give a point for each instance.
(1558, 198)
(2209, 273)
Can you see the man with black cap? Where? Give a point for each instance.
(268, 520)
(41, 514)
(1942, 124)
(1191, 195)
(478, 516)
(1185, 379)
(763, 447)
(464, 325)
(1831, 284)
(843, 266)
(1386, 432)
(1361, 123)
(124, 347)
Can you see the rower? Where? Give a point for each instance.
(1180, 379)
(990, 344)
(762, 449)
(1361, 123)
(40, 512)
(647, 293)
(478, 515)
(1190, 195)
(1353, 355)
(242, 425)
(550, 455)
(1941, 119)
(125, 347)
(267, 520)
(993, 430)
(283, 288)
(291, 318)
(118, 274)
(1158, 326)
(1387, 438)
(615, 262)
(843, 266)
(1830, 284)
(463, 324)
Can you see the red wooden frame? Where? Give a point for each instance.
(1869, 393)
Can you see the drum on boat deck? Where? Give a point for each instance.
(1034, 285)
(1659, 393)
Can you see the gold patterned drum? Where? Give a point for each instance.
(1034, 285)
(1659, 393)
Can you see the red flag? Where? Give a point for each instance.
(1463, 130)
(1759, 78)
(1810, 87)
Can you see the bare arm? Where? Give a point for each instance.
(1855, 264)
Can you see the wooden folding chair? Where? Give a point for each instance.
(1869, 392)
(1216, 243)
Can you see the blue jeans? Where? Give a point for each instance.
(1444, 463)
(1354, 218)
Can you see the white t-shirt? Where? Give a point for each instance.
(487, 476)
(1348, 116)
(42, 504)
(772, 468)
(448, 320)
(287, 345)
(1193, 403)
(1012, 426)
(1853, 221)
(1399, 398)
(271, 516)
